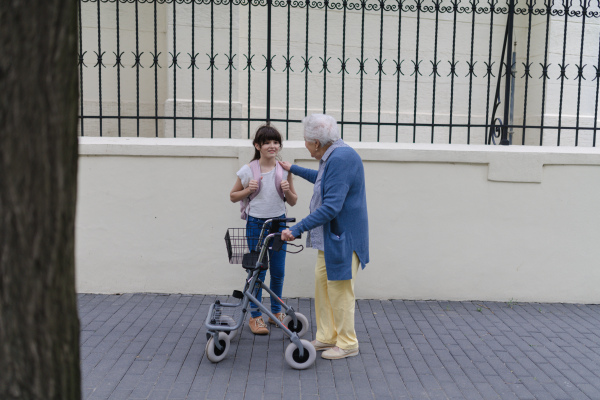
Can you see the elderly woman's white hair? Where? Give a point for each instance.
(320, 127)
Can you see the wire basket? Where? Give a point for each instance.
(244, 244)
(238, 242)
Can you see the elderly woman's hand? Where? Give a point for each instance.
(285, 165)
(287, 235)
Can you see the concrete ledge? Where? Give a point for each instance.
(506, 163)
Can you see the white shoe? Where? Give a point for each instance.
(322, 346)
(336, 353)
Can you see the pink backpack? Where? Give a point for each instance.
(256, 174)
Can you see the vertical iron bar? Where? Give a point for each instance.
(174, 70)
(137, 67)
(99, 71)
(249, 60)
(471, 68)
(287, 82)
(362, 67)
(325, 60)
(419, 3)
(398, 65)
(118, 65)
(343, 70)
(513, 72)
(489, 68)
(269, 2)
(567, 5)
(511, 14)
(545, 68)
(452, 73)
(597, 87)
(306, 63)
(584, 5)
(155, 75)
(193, 68)
(435, 65)
(80, 69)
(212, 67)
(530, 3)
(382, 3)
(230, 59)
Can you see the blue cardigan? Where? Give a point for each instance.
(343, 212)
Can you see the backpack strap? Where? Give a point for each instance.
(256, 174)
(245, 203)
(278, 179)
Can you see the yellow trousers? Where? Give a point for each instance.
(334, 304)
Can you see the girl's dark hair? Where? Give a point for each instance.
(263, 134)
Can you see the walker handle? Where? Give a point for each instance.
(284, 219)
(277, 244)
(276, 223)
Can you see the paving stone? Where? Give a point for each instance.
(120, 394)
(141, 391)
(233, 396)
(158, 395)
(148, 346)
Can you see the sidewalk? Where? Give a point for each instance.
(148, 346)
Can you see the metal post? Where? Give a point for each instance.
(511, 14)
(269, 2)
(511, 130)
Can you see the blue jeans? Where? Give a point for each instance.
(276, 264)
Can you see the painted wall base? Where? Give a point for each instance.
(447, 222)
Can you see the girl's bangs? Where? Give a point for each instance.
(269, 133)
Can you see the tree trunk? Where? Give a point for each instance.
(39, 325)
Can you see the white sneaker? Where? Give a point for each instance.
(322, 346)
(336, 353)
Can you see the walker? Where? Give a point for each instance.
(225, 319)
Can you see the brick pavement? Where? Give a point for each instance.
(149, 346)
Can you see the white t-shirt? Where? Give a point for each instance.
(267, 203)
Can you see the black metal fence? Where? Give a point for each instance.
(400, 71)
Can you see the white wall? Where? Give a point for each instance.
(445, 222)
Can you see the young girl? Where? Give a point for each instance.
(266, 204)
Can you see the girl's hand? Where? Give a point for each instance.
(285, 165)
(253, 185)
(285, 186)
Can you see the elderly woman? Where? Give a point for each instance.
(338, 228)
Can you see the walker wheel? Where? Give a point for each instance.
(301, 328)
(226, 320)
(212, 352)
(292, 355)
